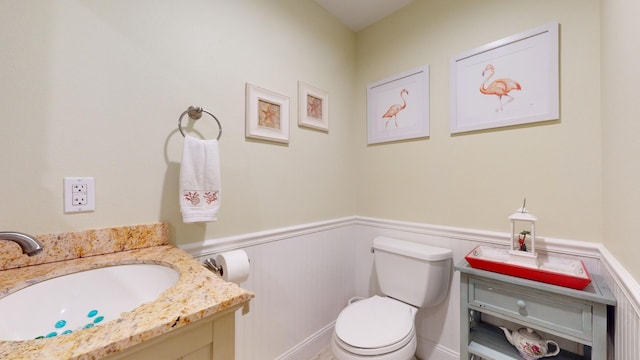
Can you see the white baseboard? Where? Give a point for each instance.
(310, 346)
(428, 350)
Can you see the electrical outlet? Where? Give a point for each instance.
(78, 199)
(79, 194)
(79, 188)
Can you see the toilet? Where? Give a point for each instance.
(411, 276)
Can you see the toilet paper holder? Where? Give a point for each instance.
(210, 263)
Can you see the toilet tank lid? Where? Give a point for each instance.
(412, 249)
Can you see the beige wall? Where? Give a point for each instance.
(621, 127)
(95, 88)
(477, 180)
(583, 182)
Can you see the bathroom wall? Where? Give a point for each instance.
(302, 280)
(95, 88)
(304, 275)
(578, 177)
(620, 127)
(478, 179)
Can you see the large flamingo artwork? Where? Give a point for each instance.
(499, 87)
(395, 109)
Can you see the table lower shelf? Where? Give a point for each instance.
(489, 343)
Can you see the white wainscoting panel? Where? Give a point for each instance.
(304, 275)
(302, 278)
(625, 328)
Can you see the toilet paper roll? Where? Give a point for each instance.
(234, 265)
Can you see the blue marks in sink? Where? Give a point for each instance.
(62, 327)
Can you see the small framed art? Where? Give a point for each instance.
(266, 115)
(313, 107)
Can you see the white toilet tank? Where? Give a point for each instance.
(411, 272)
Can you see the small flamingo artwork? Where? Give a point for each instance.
(393, 110)
(498, 87)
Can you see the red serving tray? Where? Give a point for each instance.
(554, 270)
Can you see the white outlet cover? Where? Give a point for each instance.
(74, 188)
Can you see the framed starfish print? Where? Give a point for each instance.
(398, 107)
(266, 115)
(313, 107)
(510, 81)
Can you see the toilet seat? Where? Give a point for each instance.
(374, 326)
(378, 351)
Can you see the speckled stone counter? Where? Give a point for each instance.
(198, 294)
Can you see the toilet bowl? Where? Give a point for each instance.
(377, 328)
(411, 276)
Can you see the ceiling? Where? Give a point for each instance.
(358, 14)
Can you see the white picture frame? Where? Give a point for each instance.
(507, 82)
(313, 107)
(266, 115)
(398, 107)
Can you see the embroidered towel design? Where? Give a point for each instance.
(199, 180)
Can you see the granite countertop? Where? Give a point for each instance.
(198, 294)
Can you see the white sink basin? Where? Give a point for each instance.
(81, 300)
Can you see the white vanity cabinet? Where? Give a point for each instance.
(579, 316)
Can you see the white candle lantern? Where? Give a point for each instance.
(523, 223)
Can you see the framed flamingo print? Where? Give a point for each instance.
(510, 81)
(398, 107)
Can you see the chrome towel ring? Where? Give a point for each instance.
(195, 113)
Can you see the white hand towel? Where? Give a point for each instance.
(199, 180)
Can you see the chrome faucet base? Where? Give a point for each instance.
(29, 244)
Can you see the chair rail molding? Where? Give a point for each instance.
(217, 245)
